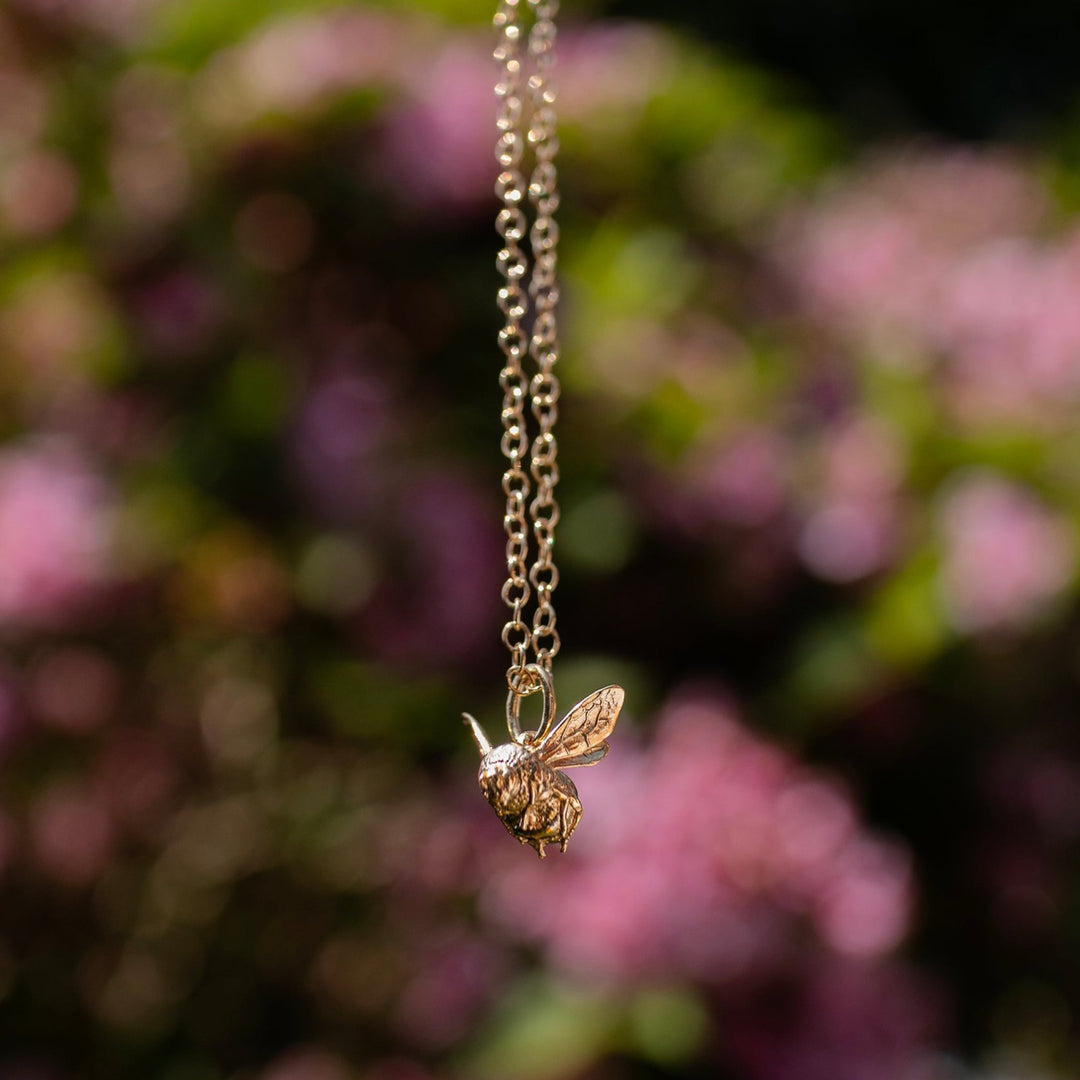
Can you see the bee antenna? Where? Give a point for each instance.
(478, 733)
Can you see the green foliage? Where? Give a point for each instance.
(820, 500)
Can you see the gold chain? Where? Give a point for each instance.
(524, 295)
(521, 779)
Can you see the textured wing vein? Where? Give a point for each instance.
(578, 738)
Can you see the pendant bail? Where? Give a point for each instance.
(533, 677)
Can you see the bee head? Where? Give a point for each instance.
(504, 778)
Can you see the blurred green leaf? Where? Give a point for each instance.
(255, 396)
(905, 624)
(668, 1025)
(599, 532)
(188, 32)
(579, 676)
(671, 419)
(366, 701)
(832, 667)
(544, 1030)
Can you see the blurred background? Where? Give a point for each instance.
(821, 492)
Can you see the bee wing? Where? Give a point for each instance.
(578, 738)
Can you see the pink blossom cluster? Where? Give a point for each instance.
(1006, 555)
(436, 146)
(440, 595)
(440, 612)
(715, 857)
(837, 1020)
(299, 62)
(454, 975)
(75, 826)
(935, 255)
(853, 529)
(844, 491)
(343, 437)
(55, 533)
(711, 856)
(307, 1063)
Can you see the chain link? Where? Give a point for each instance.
(514, 267)
(523, 295)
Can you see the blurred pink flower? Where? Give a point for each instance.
(118, 426)
(862, 458)
(1006, 556)
(343, 433)
(135, 778)
(713, 857)
(398, 1069)
(846, 541)
(1009, 321)
(937, 255)
(436, 151)
(437, 148)
(852, 531)
(861, 912)
(834, 502)
(53, 327)
(55, 528)
(308, 1063)
(835, 1020)
(147, 163)
(38, 193)
(441, 606)
(351, 450)
(73, 689)
(747, 483)
(437, 845)
(452, 980)
(299, 62)
(179, 312)
(613, 69)
(872, 253)
(722, 853)
(71, 836)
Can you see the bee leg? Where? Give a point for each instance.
(568, 818)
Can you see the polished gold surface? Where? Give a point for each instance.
(538, 804)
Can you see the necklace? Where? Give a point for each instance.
(536, 803)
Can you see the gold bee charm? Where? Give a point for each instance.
(536, 803)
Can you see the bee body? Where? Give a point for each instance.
(536, 802)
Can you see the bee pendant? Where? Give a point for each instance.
(536, 803)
